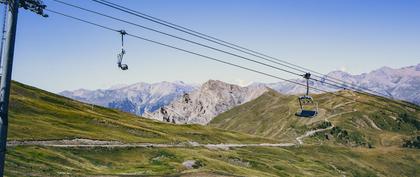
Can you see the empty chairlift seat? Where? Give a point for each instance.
(307, 106)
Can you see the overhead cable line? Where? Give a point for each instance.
(236, 47)
(180, 38)
(85, 21)
(214, 59)
(203, 45)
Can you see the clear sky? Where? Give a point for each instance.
(58, 54)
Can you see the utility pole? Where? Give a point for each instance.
(6, 79)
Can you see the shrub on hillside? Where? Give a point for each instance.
(413, 143)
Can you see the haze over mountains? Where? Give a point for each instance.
(178, 102)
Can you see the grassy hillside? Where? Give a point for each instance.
(257, 161)
(272, 116)
(40, 115)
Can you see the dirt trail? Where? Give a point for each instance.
(312, 132)
(116, 144)
(371, 122)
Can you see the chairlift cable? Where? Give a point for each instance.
(203, 45)
(181, 38)
(234, 46)
(215, 59)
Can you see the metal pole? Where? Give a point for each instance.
(6, 79)
(3, 33)
(307, 87)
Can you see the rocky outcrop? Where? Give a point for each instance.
(202, 105)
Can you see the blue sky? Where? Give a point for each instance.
(58, 54)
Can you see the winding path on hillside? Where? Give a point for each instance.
(117, 144)
(312, 132)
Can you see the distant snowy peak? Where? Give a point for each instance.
(340, 74)
(78, 92)
(118, 86)
(135, 98)
(202, 105)
(403, 83)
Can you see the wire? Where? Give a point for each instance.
(213, 59)
(79, 19)
(177, 37)
(235, 47)
(193, 42)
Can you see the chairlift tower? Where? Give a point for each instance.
(6, 77)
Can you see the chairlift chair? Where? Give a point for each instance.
(308, 107)
(120, 56)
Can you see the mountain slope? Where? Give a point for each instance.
(200, 106)
(272, 115)
(271, 162)
(136, 98)
(39, 115)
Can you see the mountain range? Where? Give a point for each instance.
(400, 84)
(136, 98)
(178, 102)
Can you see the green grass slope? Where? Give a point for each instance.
(39, 115)
(257, 161)
(272, 115)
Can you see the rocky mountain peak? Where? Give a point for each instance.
(202, 105)
(340, 74)
(216, 85)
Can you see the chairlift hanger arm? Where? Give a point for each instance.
(123, 33)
